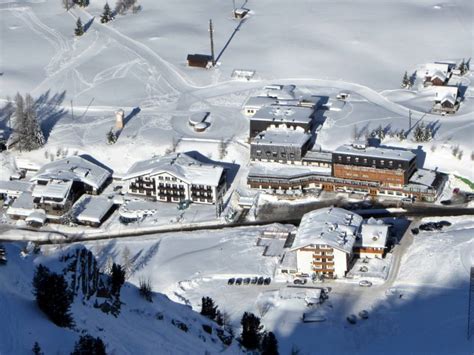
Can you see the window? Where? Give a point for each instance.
(348, 158)
(283, 154)
(339, 158)
(365, 160)
(292, 155)
(382, 162)
(259, 152)
(357, 160)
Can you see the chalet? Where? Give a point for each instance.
(281, 116)
(318, 158)
(372, 239)
(280, 145)
(200, 60)
(93, 210)
(386, 166)
(437, 73)
(446, 100)
(57, 185)
(177, 177)
(324, 242)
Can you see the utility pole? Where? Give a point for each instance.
(211, 34)
(409, 120)
(72, 111)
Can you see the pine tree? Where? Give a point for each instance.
(208, 309)
(251, 331)
(111, 137)
(117, 279)
(37, 349)
(88, 345)
(34, 137)
(107, 14)
(79, 31)
(405, 81)
(269, 344)
(53, 296)
(462, 67)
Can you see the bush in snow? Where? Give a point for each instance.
(463, 67)
(88, 345)
(422, 133)
(208, 308)
(111, 137)
(53, 296)
(405, 81)
(145, 289)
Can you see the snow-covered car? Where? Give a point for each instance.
(352, 319)
(300, 281)
(364, 314)
(254, 280)
(246, 280)
(365, 283)
(231, 281)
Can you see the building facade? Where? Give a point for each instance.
(177, 177)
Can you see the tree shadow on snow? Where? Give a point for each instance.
(49, 111)
(88, 24)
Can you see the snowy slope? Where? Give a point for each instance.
(137, 330)
(429, 317)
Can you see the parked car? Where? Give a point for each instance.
(260, 280)
(267, 281)
(446, 202)
(299, 281)
(352, 319)
(415, 231)
(407, 199)
(254, 280)
(238, 281)
(246, 280)
(444, 223)
(364, 314)
(365, 283)
(231, 281)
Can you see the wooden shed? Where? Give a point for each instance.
(199, 60)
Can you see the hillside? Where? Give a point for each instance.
(140, 328)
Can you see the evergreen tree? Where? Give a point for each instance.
(34, 135)
(208, 309)
(251, 331)
(462, 67)
(37, 349)
(269, 344)
(111, 137)
(405, 81)
(88, 345)
(79, 31)
(52, 296)
(107, 14)
(117, 279)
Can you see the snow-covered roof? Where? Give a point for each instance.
(92, 208)
(431, 68)
(312, 155)
(180, 165)
(56, 189)
(279, 91)
(423, 177)
(259, 101)
(282, 137)
(277, 170)
(277, 113)
(439, 74)
(376, 152)
(138, 208)
(374, 234)
(14, 187)
(335, 227)
(38, 216)
(446, 93)
(74, 168)
(22, 206)
(288, 262)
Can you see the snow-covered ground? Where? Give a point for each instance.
(137, 63)
(424, 309)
